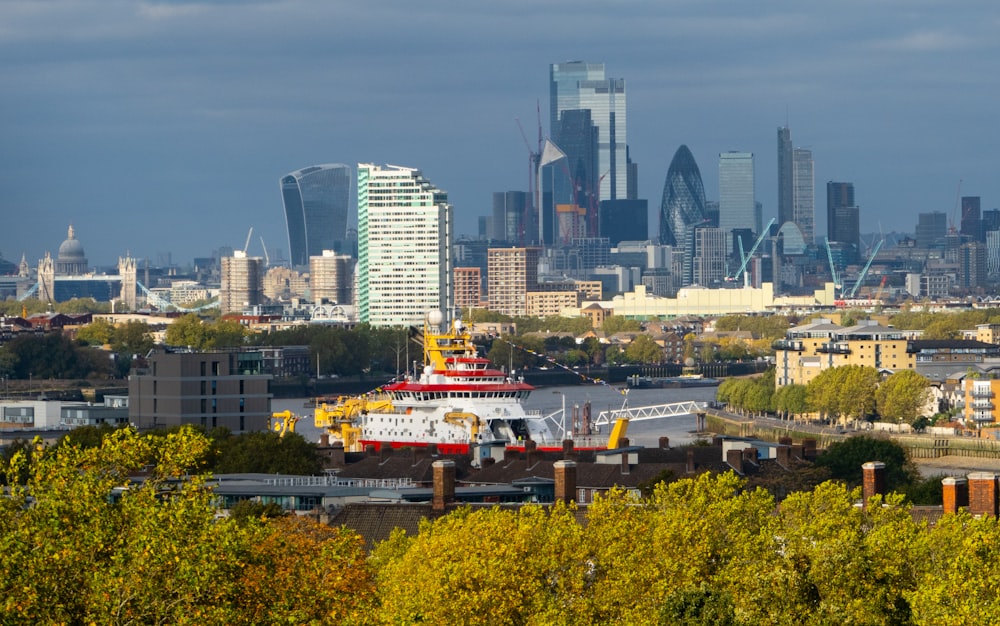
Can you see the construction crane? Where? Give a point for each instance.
(864, 271)
(534, 159)
(267, 259)
(881, 286)
(246, 245)
(954, 212)
(833, 268)
(746, 259)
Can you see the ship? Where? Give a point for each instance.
(456, 401)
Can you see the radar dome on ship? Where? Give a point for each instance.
(435, 318)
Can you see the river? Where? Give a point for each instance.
(602, 397)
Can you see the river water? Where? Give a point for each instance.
(602, 397)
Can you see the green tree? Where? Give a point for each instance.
(620, 324)
(132, 337)
(902, 396)
(845, 458)
(790, 400)
(267, 453)
(187, 330)
(97, 333)
(643, 349)
(225, 334)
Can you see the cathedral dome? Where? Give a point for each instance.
(71, 259)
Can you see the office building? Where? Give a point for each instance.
(682, 209)
(931, 229)
(843, 219)
(624, 220)
(242, 282)
(207, 389)
(583, 86)
(509, 211)
(317, 203)
(404, 246)
(736, 192)
(331, 278)
(785, 170)
(709, 262)
(973, 263)
(972, 223)
(512, 273)
(803, 194)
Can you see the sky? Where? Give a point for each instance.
(157, 127)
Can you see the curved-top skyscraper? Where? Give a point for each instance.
(683, 207)
(317, 201)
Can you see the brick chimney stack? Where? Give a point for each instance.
(664, 443)
(956, 494)
(565, 481)
(735, 460)
(444, 484)
(337, 458)
(872, 480)
(983, 493)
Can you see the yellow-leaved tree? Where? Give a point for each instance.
(87, 542)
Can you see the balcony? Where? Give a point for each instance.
(982, 405)
(982, 392)
(834, 348)
(788, 346)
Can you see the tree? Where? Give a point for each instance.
(81, 543)
(267, 453)
(187, 330)
(643, 349)
(97, 333)
(790, 400)
(901, 396)
(620, 324)
(845, 458)
(524, 566)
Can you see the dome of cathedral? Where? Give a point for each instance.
(71, 250)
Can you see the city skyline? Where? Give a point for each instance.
(158, 127)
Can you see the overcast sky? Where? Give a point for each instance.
(165, 126)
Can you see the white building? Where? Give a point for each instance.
(404, 246)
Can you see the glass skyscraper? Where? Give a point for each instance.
(682, 208)
(317, 202)
(579, 86)
(784, 176)
(804, 193)
(736, 194)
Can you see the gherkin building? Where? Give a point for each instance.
(683, 207)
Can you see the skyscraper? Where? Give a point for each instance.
(971, 225)
(512, 273)
(804, 193)
(682, 208)
(404, 246)
(317, 201)
(582, 86)
(843, 219)
(508, 216)
(784, 175)
(736, 193)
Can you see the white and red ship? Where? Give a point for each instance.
(457, 402)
